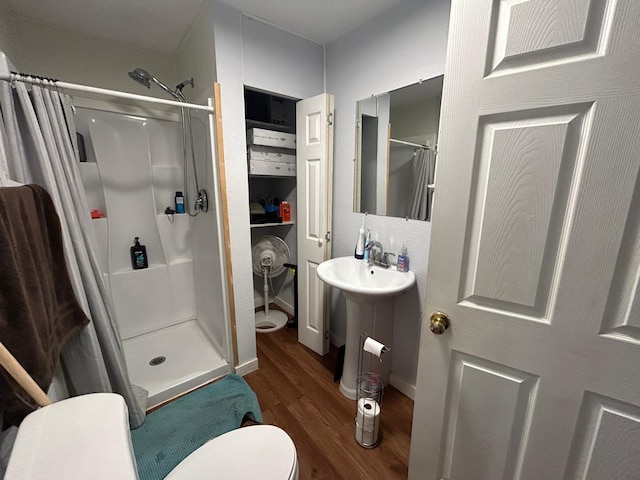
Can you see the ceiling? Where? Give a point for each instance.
(160, 25)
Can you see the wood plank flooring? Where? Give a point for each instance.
(296, 392)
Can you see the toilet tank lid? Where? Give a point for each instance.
(261, 451)
(80, 437)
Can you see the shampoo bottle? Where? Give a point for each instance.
(403, 260)
(360, 243)
(138, 255)
(179, 202)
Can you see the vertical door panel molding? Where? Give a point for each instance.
(314, 152)
(606, 442)
(495, 400)
(523, 172)
(562, 30)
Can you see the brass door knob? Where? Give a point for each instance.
(439, 323)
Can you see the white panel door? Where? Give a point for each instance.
(314, 147)
(535, 247)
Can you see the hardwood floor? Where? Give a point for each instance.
(296, 392)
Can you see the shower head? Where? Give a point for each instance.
(143, 77)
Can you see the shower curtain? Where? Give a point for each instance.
(37, 146)
(424, 167)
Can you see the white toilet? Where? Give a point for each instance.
(88, 437)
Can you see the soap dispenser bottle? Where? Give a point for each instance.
(138, 255)
(403, 260)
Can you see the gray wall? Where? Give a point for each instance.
(397, 48)
(195, 58)
(78, 58)
(8, 34)
(249, 52)
(280, 62)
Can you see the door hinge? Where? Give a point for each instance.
(330, 118)
(326, 335)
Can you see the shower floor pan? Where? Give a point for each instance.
(172, 361)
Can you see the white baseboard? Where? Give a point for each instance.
(284, 305)
(403, 386)
(247, 367)
(259, 302)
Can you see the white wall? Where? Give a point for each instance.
(8, 35)
(78, 58)
(249, 52)
(227, 30)
(395, 49)
(195, 58)
(280, 62)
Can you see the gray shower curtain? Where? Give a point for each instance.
(38, 135)
(424, 167)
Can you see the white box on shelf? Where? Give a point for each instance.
(271, 154)
(257, 167)
(270, 138)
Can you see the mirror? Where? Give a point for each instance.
(396, 139)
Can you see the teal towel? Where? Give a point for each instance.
(172, 432)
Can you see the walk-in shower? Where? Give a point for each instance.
(172, 316)
(143, 77)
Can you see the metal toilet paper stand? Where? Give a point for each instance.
(369, 390)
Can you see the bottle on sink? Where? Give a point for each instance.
(359, 251)
(403, 260)
(367, 239)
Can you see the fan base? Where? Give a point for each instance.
(272, 322)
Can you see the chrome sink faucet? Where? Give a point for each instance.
(377, 255)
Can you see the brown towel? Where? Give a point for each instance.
(38, 308)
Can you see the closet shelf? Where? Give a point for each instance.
(271, 126)
(274, 224)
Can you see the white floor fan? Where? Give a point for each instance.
(270, 253)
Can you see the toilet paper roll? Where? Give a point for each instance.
(368, 413)
(366, 438)
(367, 421)
(374, 347)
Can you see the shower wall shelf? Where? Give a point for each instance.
(125, 271)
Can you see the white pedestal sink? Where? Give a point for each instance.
(366, 289)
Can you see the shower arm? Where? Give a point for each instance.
(143, 77)
(180, 98)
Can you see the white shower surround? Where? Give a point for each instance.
(176, 307)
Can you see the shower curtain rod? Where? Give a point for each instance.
(73, 87)
(410, 144)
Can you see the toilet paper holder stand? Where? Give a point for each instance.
(369, 391)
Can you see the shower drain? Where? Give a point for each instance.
(157, 361)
